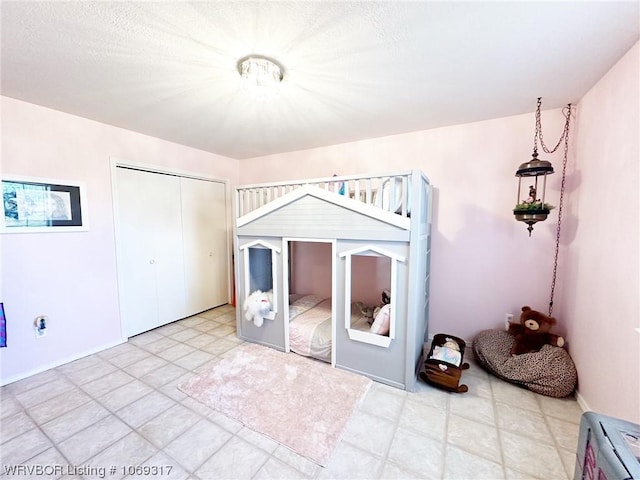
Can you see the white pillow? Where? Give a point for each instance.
(382, 321)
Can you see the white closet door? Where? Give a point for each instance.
(169, 251)
(150, 249)
(205, 244)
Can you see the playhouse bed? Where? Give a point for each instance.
(382, 221)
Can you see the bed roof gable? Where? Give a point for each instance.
(260, 244)
(330, 197)
(377, 250)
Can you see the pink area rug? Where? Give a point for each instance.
(300, 403)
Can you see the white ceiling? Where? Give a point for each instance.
(353, 70)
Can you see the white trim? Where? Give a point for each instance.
(272, 205)
(331, 197)
(260, 243)
(118, 241)
(393, 313)
(57, 363)
(334, 308)
(335, 179)
(359, 335)
(582, 402)
(245, 274)
(368, 337)
(274, 284)
(275, 251)
(148, 167)
(372, 248)
(285, 293)
(334, 289)
(347, 292)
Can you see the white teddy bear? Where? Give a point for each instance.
(257, 305)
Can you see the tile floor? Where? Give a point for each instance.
(121, 407)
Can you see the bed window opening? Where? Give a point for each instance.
(369, 304)
(260, 269)
(259, 278)
(311, 312)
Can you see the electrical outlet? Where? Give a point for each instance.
(40, 326)
(508, 317)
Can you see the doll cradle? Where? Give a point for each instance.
(443, 366)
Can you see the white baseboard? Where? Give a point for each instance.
(57, 363)
(582, 402)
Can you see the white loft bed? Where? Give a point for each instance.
(360, 216)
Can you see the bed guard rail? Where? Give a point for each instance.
(390, 192)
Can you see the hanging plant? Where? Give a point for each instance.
(533, 207)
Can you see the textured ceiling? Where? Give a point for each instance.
(353, 70)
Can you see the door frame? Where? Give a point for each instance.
(286, 265)
(116, 162)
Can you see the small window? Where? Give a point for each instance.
(260, 269)
(370, 307)
(260, 272)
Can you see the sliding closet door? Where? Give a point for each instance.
(204, 236)
(150, 249)
(169, 250)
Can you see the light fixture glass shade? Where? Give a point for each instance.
(260, 71)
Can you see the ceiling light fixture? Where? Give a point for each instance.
(260, 71)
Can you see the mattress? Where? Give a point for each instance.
(310, 332)
(310, 327)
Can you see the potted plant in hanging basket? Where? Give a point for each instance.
(532, 211)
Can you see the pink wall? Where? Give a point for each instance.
(311, 273)
(311, 276)
(601, 280)
(484, 264)
(71, 277)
